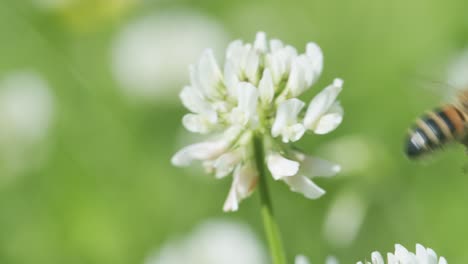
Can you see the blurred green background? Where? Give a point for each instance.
(99, 187)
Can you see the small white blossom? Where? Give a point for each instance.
(212, 242)
(400, 256)
(403, 256)
(256, 92)
(300, 259)
(344, 218)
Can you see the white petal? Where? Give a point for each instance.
(194, 79)
(273, 63)
(392, 259)
(288, 54)
(300, 259)
(280, 166)
(377, 258)
(192, 99)
(225, 163)
(260, 43)
(305, 186)
(321, 103)
(246, 109)
(209, 73)
(402, 254)
(231, 78)
(279, 62)
(442, 260)
(431, 256)
(251, 65)
(314, 52)
(331, 120)
(232, 133)
(311, 75)
(234, 49)
(200, 151)
(232, 201)
(248, 177)
(286, 115)
(316, 167)
(266, 88)
(294, 133)
(197, 123)
(248, 97)
(281, 120)
(421, 254)
(296, 81)
(275, 45)
(244, 181)
(302, 75)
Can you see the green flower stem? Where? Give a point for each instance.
(271, 227)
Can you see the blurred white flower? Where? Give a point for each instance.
(256, 92)
(403, 256)
(214, 242)
(26, 109)
(300, 259)
(344, 219)
(354, 152)
(150, 55)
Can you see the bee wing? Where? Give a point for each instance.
(434, 85)
(457, 70)
(447, 80)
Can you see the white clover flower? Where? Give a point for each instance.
(403, 256)
(256, 93)
(213, 242)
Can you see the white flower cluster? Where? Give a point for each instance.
(256, 92)
(403, 256)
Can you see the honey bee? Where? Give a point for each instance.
(439, 127)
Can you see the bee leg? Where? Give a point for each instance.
(464, 141)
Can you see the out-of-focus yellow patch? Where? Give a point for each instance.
(90, 15)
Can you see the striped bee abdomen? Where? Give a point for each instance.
(434, 130)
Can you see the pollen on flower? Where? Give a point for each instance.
(256, 93)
